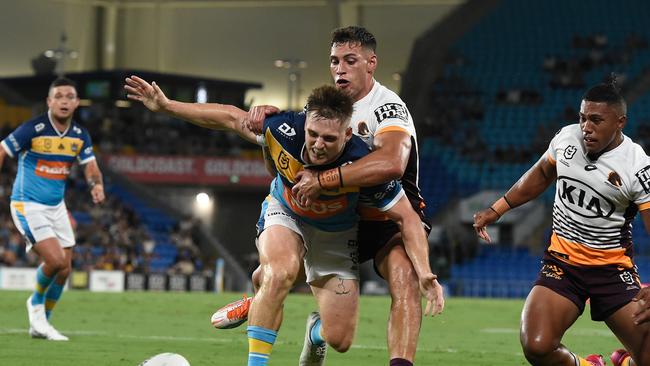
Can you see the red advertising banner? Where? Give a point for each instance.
(191, 170)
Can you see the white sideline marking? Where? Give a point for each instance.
(196, 339)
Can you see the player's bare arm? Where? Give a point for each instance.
(535, 181)
(95, 181)
(388, 161)
(3, 153)
(642, 315)
(417, 249)
(207, 115)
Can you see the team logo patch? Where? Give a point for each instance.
(643, 176)
(581, 199)
(552, 271)
(569, 152)
(614, 179)
(362, 129)
(627, 278)
(391, 110)
(283, 160)
(287, 130)
(74, 147)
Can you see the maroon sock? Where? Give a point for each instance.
(400, 362)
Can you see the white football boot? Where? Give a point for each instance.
(312, 354)
(39, 327)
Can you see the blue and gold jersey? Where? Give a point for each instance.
(45, 156)
(336, 210)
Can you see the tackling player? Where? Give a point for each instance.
(321, 235)
(46, 147)
(603, 180)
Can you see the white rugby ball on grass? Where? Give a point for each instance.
(166, 359)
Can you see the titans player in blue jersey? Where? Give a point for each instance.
(46, 147)
(320, 236)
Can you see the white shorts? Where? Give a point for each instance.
(327, 253)
(37, 222)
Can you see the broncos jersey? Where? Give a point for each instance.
(382, 111)
(45, 156)
(596, 201)
(335, 210)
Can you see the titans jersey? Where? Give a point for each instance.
(45, 156)
(334, 210)
(596, 201)
(382, 111)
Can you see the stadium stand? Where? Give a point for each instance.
(508, 84)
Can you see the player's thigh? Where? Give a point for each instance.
(280, 247)
(395, 266)
(545, 318)
(635, 338)
(338, 304)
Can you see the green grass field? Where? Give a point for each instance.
(126, 328)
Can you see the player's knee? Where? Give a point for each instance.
(340, 342)
(279, 278)
(537, 348)
(65, 272)
(57, 264)
(403, 283)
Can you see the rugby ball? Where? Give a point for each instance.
(166, 359)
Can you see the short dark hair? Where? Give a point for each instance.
(329, 102)
(606, 93)
(354, 34)
(62, 81)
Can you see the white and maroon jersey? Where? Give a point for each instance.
(596, 201)
(380, 111)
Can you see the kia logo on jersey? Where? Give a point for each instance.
(581, 199)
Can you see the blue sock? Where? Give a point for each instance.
(52, 295)
(42, 283)
(314, 334)
(260, 344)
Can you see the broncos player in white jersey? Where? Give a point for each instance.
(602, 181)
(46, 148)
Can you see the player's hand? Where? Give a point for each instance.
(150, 95)
(481, 220)
(642, 315)
(432, 291)
(254, 120)
(97, 192)
(306, 189)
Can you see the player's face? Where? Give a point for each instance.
(352, 67)
(600, 124)
(325, 139)
(62, 102)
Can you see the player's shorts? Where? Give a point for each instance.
(374, 235)
(327, 253)
(608, 288)
(37, 222)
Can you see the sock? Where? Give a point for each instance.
(627, 361)
(52, 295)
(260, 344)
(400, 362)
(314, 334)
(42, 283)
(581, 361)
